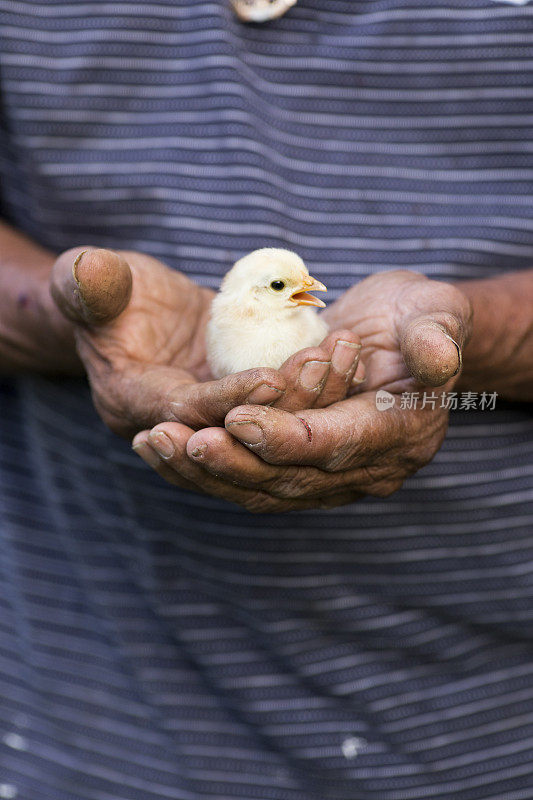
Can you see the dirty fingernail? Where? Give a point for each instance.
(247, 432)
(199, 451)
(344, 355)
(459, 353)
(76, 263)
(162, 444)
(147, 454)
(313, 373)
(263, 394)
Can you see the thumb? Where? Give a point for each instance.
(91, 286)
(432, 342)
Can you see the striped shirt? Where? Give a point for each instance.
(160, 645)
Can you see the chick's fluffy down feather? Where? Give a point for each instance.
(261, 315)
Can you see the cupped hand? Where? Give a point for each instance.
(140, 333)
(267, 459)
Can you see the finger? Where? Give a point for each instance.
(201, 405)
(345, 362)
(91, 286)
(431, 341)
(346, 435)
(220, 454)
(358, 381)
(319, 376)
(143, 449)
(141, 396)
(224, 457)
(258, 502)
(306, 373)
(169, 443)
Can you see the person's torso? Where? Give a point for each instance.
(159, 644)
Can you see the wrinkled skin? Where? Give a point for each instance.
(307, 448)
(412, 330)
(140, 333)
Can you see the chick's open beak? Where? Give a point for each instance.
(302, 297)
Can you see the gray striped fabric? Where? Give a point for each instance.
(158, 645)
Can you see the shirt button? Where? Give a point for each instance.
(261, 10)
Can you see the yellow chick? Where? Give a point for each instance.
(261, 10)
(263, 313)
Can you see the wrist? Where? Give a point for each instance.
(34, 336)
(499, 355)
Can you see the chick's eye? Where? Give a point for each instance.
(277, 286)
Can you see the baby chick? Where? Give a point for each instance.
(263, 313)
(261, 10)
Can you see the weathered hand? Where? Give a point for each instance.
(140, 333)
(412, 328)
(412, 331)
